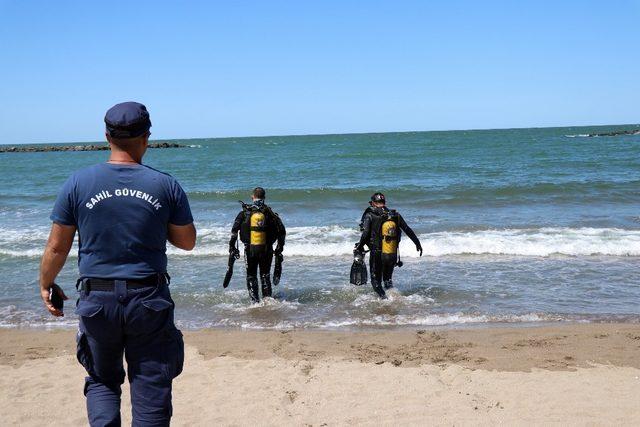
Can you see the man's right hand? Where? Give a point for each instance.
(45, 293)
(55, 254)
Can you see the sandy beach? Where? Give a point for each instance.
(570, 374)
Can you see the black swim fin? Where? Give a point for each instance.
(233, 256)
(358, 274)
(277, 269)
(227, 277)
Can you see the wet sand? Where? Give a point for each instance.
(570, 374)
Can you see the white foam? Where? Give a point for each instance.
(536, 242)
(334, 240)
(387, 320)
(437, 320)
(14, 317)
(338, 241)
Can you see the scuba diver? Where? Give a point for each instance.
(259, 227)
(381, 231)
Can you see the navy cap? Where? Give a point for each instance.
(127, 120)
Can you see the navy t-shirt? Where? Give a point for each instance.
(122, 214)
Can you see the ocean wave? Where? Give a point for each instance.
(335, 240)
(536, 242)
(12, 316)
(385, 320)
(301, 194)
(38, 320)
(332, 241)
(440, 320)
(29, 319)
(621, 188)
(440, 195)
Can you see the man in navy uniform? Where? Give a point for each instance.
(124, 213)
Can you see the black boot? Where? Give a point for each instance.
(388, 284)
(252, 286)
(377, 286)
(266, 285)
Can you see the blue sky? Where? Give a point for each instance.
(235, 68)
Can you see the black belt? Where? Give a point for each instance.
(94, 284)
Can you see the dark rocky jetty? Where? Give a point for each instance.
(617, 133)
(92, 147)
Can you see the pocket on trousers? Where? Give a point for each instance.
(175, 353)
(83, 352)
(151, 316)
(91, 318)
(88, 308)
(157, 304)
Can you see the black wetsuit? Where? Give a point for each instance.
(259, 259)
(380, 265)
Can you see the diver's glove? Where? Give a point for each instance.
(419, 248)
(278, 250)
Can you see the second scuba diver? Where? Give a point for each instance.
(259, 229)
(381, 231)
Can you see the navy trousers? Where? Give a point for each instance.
(137, 324)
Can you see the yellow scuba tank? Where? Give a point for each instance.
(389, 237)
(258, 229)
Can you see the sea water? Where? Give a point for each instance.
(519, 225)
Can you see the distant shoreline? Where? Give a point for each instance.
(83, 147)
(616, 133)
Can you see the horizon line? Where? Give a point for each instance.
(332, 134)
